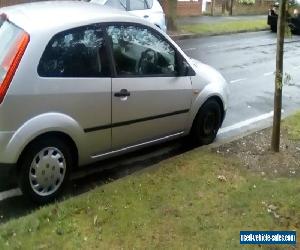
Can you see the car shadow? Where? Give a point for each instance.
(99, 174)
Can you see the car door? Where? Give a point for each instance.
(149, 98)
(76, 75)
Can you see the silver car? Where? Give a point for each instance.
(79, 84)
(151, 10)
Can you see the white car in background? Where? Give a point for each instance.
(151, 10)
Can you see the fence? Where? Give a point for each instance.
(185, 8)
(259, 7)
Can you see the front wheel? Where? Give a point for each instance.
(207, 123)
(44, 169)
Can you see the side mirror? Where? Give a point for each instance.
(187, 69)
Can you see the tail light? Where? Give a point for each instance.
(11, 62)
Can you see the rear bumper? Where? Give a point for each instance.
(294, 24)
(8, 153)
(8, 174)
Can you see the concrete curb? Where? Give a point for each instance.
(192, 35)
(248, 130)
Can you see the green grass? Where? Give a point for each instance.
(292, 125)
(224, 27)
(177, 204)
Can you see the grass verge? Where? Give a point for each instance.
(199, 200)
(224, 27)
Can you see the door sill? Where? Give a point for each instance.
(129, 148)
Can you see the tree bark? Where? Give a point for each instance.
(223, 7)
(212, 7)
(172, 13)
(231, 8)
(275, 144)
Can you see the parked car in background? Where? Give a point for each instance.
(293, 17)
(90, 85)
(151, 10)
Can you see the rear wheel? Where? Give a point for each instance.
(207, 123)
(44, 169)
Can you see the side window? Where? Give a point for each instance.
(78, 52)
(139, 51)
(117, 4)
(149, 3)
(138, 5)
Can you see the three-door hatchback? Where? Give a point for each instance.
(80, 82)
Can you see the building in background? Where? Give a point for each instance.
(12, 2)
(185, 7)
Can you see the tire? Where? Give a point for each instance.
(44, 169)
(207, 123)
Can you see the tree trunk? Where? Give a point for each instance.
(275, 145)
(223, 7)
(172, 13)
(212, 7)
(231, 8)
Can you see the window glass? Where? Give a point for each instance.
(99, 1)
(138, 5)
(150, 3)
(77, 52)
(139, 51)
(117, 4)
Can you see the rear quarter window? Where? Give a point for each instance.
(78, 52)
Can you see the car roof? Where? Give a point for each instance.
(59, 15)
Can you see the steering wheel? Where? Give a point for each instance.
(148, 62)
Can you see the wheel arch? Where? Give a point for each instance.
(197, 106)
(58, 134)
(40, 125)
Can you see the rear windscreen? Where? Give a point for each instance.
(9, 35)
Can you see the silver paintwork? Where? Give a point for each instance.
(134, 147)
(47, 171)
(35, 105)
(154, 15)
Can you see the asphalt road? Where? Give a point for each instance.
(246, 60)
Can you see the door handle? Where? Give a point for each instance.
(122, 93)
(146, 16)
